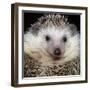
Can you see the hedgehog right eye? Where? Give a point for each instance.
(65, 39)
(47, 38)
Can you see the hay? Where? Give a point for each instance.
(33, 68)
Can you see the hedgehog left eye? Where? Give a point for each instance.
(64, 39)
(47, 38)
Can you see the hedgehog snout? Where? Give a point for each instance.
(57, 52)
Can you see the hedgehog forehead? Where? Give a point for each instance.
(54, 32)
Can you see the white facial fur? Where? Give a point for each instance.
(42, 50)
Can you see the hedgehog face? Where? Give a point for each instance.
(55, 41)
(55, 45)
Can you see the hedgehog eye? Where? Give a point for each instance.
(47, 38)
(64, 39)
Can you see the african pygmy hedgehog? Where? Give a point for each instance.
(51, 42)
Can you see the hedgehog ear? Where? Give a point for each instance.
(73, 28)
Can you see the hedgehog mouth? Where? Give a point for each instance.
(56, 58)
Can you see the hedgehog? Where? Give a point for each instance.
(52, 42)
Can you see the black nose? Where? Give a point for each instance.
(57, 51)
